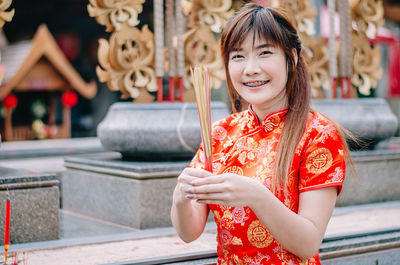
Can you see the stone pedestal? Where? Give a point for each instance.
(379, 177)
(34, 205)
(370, 119)
(134, 194)
(155, 131)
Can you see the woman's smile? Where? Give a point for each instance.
(255, 84)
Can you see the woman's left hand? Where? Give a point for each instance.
(227, 189)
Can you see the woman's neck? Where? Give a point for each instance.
(262, 113)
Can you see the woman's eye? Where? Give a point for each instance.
(265, 52)
(237, 56)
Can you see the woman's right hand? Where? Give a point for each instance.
(188, 217)
(184, 186)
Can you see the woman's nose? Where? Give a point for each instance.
(252, 66)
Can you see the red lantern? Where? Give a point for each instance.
(10, 101)
(69, 98)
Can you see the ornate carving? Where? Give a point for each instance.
(209, 13)
(127, 59)
(205, 18)
(368, 16)
(5, 16)
(113, 14)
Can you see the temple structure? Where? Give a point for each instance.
(39, 86)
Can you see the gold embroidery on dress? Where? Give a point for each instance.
(247, 121)
(319, 161)
(237, 260)
(227, 219)
(236, 118)
(228, 143)
(224, 158)
(235, 170)
(257, 259)
(341, 152)
(227, 214)
(245, 149)
(258, 235)
(271, 123)
(217, 216)
(237, 241)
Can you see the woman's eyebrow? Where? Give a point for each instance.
(264, 45)
(237, 49)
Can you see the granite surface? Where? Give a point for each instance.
(378, 180)
(140, 204)
(112, 163)
(34, 203)
(155, 131)
(53, 147)
(369, 119)
(14, 176)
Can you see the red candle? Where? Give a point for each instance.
(180, 86)
(172, 89)
(160, 90)
(7, 228)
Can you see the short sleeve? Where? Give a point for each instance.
(323, 163)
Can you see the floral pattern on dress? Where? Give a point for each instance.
(246, 147)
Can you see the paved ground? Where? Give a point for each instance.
(123, 245)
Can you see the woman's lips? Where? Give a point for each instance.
(255, 84)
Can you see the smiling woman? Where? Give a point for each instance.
(256, 74)
(277, 166)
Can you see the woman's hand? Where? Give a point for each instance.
(226, 189)
(187, 176)
(188, 217)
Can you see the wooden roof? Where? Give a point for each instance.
(21, 57)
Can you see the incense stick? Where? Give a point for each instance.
(202, 89)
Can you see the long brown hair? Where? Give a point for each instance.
(272, 25)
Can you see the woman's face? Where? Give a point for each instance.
(259, 75)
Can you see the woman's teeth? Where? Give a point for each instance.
(255, 84)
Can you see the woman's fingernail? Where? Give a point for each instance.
(190, 196)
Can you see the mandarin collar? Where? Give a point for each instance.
(270, 122)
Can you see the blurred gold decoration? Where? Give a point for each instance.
(205, 19)
(127, 59)
(368, 16)
(5, 16)
(210, 13)
(113, 14)
(315, 51)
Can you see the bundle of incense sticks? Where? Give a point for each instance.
(202, 89)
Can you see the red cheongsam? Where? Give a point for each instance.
(243, 146)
